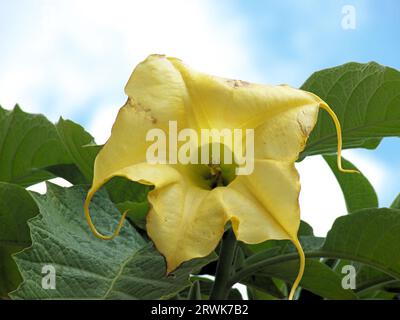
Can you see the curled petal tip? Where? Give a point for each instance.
(349, 171)
(335, 119)
(96, 233)
(302, 262)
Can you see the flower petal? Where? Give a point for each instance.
(284, 136)
(223, 103)
(185, 222)
(264, 205)
(154, 98)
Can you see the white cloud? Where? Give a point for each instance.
(321, 199)
(100, 126)
(42, 189)
(73, 57)
(375, 171)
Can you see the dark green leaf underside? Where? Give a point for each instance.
(86, 267)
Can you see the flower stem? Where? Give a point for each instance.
(222, 276)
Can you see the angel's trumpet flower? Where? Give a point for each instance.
(191, 203)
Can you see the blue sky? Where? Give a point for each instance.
(73, 58)
(307, 36)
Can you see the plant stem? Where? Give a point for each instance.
(226, 254)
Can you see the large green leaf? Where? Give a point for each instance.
(366, 99)
(396, 203)
(368, 280)
(76, 142)
(264, 287)
(370, 237)
(69, 172)
(357, 190)
(318, 278)
(86, 267)
(28, 143)
(32, 149)
(305, 234)
(327, 284)
(16, 207)
(379, 295)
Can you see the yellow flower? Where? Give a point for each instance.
(190, 204)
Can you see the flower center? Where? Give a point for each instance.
(219, 172)
(220, 175)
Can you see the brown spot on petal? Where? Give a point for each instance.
(140, 108)
(237, 83)
(304, 125)
(158, 55)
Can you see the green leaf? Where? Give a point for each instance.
(144, 276)
(16, 207)
(195, 291)
(368, 279)
(263, 287)
(75, 140)
(379, 295)
(327, 284)
(256, 294)
(372, 235)
(318, 278)
(396, 203)
(32, 149)
(365, 98)
(121, 190)
(306, 237)
(305, 229)
(357, 190)
(69, 172)
(131, 196)
(28, 143)
(137, 212)
(89, 268)
(369, 236)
